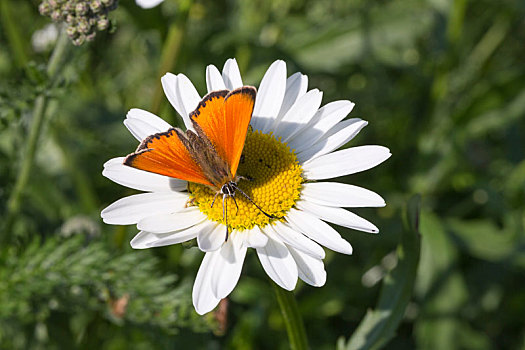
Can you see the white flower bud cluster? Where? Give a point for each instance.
(83, 17)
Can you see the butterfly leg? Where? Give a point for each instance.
(189, 203)
(225, 214)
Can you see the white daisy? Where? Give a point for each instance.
(148, 4)
(289, 151)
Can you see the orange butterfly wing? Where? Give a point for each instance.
(209, 116)
(224, 117)
(165, 154)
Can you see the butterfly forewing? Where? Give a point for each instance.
(165, 154)
(238, 109)
(224, 119)
(208, 118)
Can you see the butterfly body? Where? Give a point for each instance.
(214, 167)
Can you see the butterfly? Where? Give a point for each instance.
(210, 154)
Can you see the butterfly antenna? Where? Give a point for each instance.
(225, 214)
(234, 201)
(258, 207)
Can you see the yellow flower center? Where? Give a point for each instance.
(270, 176)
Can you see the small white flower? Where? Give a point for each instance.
(147, 4)
(288, 153)
(43, 39)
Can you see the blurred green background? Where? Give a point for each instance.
(442, 84)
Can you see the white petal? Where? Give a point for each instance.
(297, 240)
(296, 86)
(172, 222)
(142, 239)
(203, 298)
(148, 117)
(182, 95)
(338, 216)
(175, 238)
(228, 266)
(231, 74)
(318, 230)
(146, 239)
(188, 97)
(142, 123)
(270, 96)
(116, 171)
(311, 270)
(139, 129)
(132, 209)
(333, 139)
(211, 240)
(255, 238)
(147, 4)
(169, 85)
(278, 262)
(180, 236)
(334, 194)
(214, 79)
(345, 162)
(299, 115)
(325, 119)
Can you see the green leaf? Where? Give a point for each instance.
(483, 239)
(379, 325)
(384, 33)
(440, 287)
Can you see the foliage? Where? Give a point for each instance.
(59, 292)
(442, 84)
(378, 326)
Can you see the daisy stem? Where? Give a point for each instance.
(39, 114)
(292, 318)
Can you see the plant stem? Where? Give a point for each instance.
(168, 59)
(58, 55)
(170, 51)
(13, 36)
(81, 180)
(292, 318)
(39, 114)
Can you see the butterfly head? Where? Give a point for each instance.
(228, 189)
